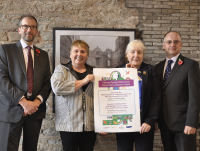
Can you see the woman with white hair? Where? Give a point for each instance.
(150, 101)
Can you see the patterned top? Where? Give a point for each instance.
(69, 115)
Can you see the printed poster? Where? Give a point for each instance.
(116, 100)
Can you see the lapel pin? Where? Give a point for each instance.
(180, 62)
(38, 51)
(144, 72)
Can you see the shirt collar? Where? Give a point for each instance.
(24, 45)
(173, 58)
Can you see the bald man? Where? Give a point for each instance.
(180, 78)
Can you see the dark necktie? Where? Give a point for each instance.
(30, 70)
(167, 71)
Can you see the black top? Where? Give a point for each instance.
(82, 76)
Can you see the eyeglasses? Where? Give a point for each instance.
(169, 42)
(26, 27)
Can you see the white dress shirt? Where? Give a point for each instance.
(173, 63)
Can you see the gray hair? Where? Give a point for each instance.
(135, 44)
(170, 32)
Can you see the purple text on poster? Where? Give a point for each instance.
(118, 83)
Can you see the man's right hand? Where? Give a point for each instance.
(29, 106)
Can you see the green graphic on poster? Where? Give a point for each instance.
(118, 119)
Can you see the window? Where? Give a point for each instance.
(108, 63)
(97, 61)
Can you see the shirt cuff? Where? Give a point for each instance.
(40, 98)
(22, 98)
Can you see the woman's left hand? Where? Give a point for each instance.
(145, 128)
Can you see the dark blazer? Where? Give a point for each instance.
(151, 94)
(13, 83)
(180, 105)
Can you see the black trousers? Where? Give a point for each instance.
(176, 140)
(4, 133)
(143, 142)
(31, 131)
(78, 141)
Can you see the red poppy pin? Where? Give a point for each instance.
(180, 62)
(38, 51)
(144, 72)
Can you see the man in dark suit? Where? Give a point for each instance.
(24, 89)
(180, 78)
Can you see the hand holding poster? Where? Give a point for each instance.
(116, 100)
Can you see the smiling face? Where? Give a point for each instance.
(29, 34)
(172, 44)
(78, 56)
(135, 57)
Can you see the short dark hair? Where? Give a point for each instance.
(28, 16)
(171, 32)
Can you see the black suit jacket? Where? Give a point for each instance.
(181, 99)
(13, 83)
(151, 94)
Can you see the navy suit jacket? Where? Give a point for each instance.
(181, 94)
(13, 83)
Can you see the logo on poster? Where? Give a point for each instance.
(115, 75)
(121, 127)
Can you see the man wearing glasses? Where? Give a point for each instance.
(24, 88)
(180, 78)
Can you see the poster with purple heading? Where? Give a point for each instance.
(116, 100)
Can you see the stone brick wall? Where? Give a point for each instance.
(152, 17)
(159, 16)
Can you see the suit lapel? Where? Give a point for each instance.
(161, 70)
(36, 63)
(20, 56)
(35, 71)
(174, 70)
